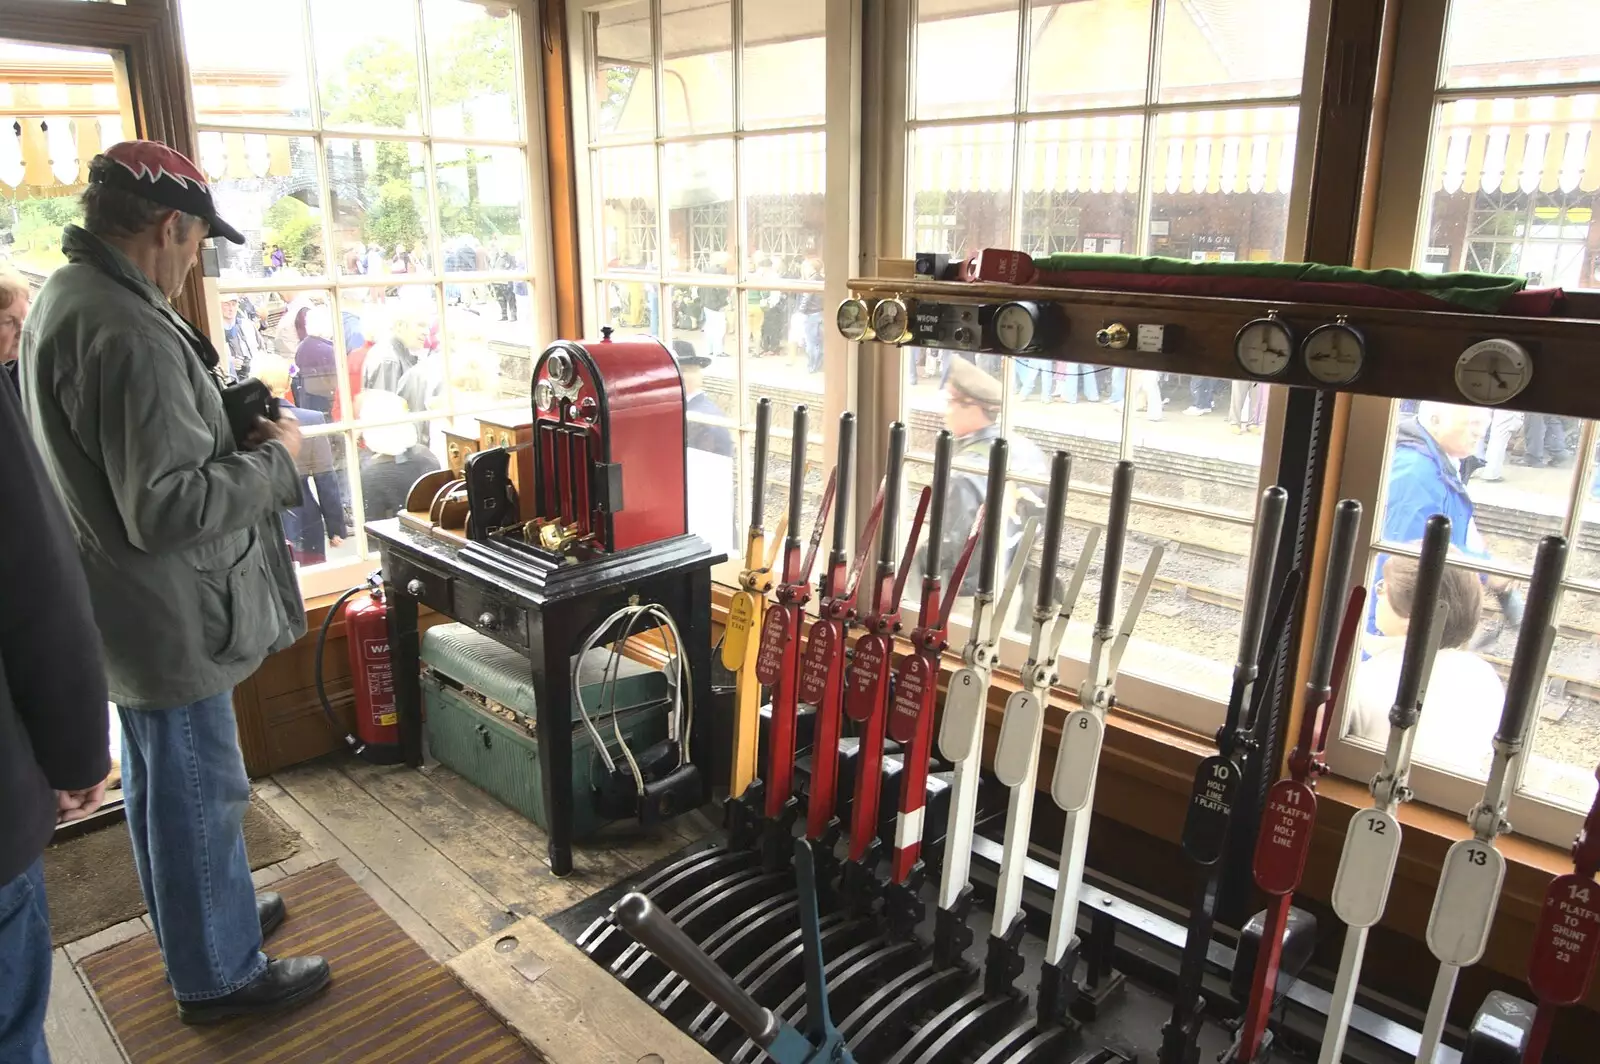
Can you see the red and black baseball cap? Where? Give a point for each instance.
(161, 175)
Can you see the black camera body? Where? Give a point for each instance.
(245, 402)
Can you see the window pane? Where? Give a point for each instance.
(698, 184)
(624, 78)
(392, 458)
(783, 336)
(394, 359)
(1232, 49)
(1583, 563)
(321, 528)
(1510, 184)
(784, 183)
(1498, 42)
(703, 318)
(785, 60)
(1566, 746)
(1088, 53)
(491, 360)
(261, 84)
(480, 207)
(1072, 407)
(266, 187)
(1080, 185)
(966, 58)
(366, 54)
(961, 188)
(472, 55)
(1220, 184)
(625, 190)
(697, 54)
(710, 453)
(380, 205)
(632, 308)
(1502, 477)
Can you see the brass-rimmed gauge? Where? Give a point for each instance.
(1264, 346)
(544, 396)
(1492, 371)
(1019, 326)
(559, 366)
(891, 321)
(854, 319)
(1335, 353)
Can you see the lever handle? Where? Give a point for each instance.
(1055, 516)
(993, 515)
(846, 469)
(1263, 559)
(758, 479)
(1422, 635)
(1116, 539)
(943, 448)
(1533, 640)
(889, 532)
(1341, 557)
(797, 473)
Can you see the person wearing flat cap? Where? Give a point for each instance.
(698, 435)
(178, 528)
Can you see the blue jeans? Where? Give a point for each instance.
(813, 341)
(1069, 375)
(24, 967)
(1028, 373)
(185, 792)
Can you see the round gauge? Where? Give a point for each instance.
(1264, 346)
(1493, 371)
(544, 396)
(1017, 326)
(891, 321)
(561, 369)
(1335, 353)
(854, 319)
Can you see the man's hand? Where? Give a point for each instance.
(286, 430)
(75, 805)
(335, 541)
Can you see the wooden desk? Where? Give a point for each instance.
(545, 618)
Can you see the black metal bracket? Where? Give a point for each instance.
(858, 880)
(951, 935)
(1101, 980)
(903, 907)
(1003, 964)
(741, 817)
(777, 837)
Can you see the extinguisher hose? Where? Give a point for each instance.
(350, 739)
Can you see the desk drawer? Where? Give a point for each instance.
(495, 615)
(427, 586)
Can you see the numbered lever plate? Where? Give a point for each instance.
(869, 671)
(736, 636)
(1567, 940)
(1205, 826)
(1463, 908)
(958, 732)
(1020, 733)
(912, 679)
(822, 648)
(774, 637)
(1366, 868)
(1285, 836)
(1077, 760)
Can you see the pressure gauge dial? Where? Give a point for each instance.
(854, 319)
(891, 321)
(1493, 371)
(1264, 346)
(1019, 326)
(1335, 353)
(544, 396)
(559, 366)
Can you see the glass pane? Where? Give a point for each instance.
(698, 184)
(632, 308)
(1088, 53)
(966, 58)
(266, 187)
(1205, 450)
(784, 185)
(785, 60)
(1041, 390)
(472, 77)
(1220, 184)
(491, 360)
(392, 459)
(624, 79)
(1565, 744)
(1510, 183)
(1080, 185)
(480, 207)
(697, 55)
(1583, 563)
(709, 395)
(1466, 689)
(1502, 477)
(281, 318)
(321, 528)
(396, 367)
(961, 188)
(1242, 49)
(366, 52)
(380, 206)
(783, 337)
(259, 83)
(703, 319)
(625, 190)
(1499, 42)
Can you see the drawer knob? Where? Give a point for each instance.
(414, 588)
(488, 620)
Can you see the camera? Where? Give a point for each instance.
(245, 402)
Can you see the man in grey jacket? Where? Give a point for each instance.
(189, 574)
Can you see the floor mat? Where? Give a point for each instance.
(389, 1001)
(92, 884)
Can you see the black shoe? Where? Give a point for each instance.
(270, 911)
(285, 984)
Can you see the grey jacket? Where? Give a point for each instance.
(179, 532)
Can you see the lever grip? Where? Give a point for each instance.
(1533, 650)
(1263, 559)
(652, 927)
(841, 499)
(943, 448)
(889, 531)
(1420, 636)
(1116, 540)
(1055, 516)
(797, 473)
(1341, 557)
(994, 511)
(758, 481)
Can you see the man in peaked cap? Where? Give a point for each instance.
(178, 527)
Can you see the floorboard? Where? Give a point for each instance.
(74, 1028)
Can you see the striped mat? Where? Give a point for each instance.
(388, 1002)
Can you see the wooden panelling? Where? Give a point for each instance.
(561, 163)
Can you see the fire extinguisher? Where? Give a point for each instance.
(366, 625)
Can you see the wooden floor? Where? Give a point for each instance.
(455, 869)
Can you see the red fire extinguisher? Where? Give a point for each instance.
(366, 626)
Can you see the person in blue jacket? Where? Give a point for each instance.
(1425, 475)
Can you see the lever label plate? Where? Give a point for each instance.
(774, 638)
(1566, 940)
(869, 671)
(1285, 836)
(1366, 868)
(958, 732)
(822, 649)
(1077, 760)
(1017, 754)
(911, 686)
(1463, 908)
(736, 636)
(1205, 826)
